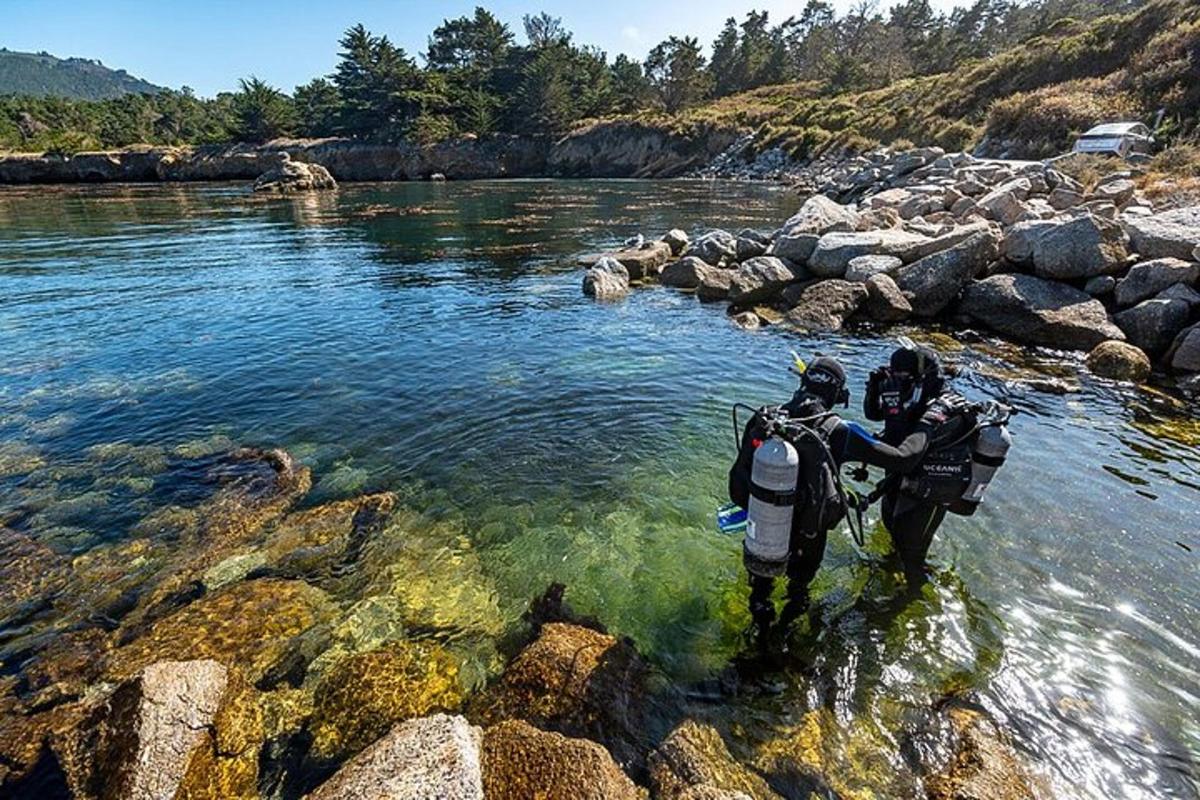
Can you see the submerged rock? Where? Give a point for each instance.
(362, 696)
(522, 762)
(1120, 361)
(422, 759)
(694, 756)
(984, 767)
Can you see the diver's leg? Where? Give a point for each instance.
(762, 607)
(807, 554)
(912, 525)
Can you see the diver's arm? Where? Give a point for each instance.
(851, 442)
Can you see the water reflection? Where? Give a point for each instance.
(431, 340)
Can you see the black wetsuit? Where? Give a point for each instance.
(910, 521)
(848, 442)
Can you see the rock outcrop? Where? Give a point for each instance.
(433, 757)
(607, 279)
(295, 176)
(984, 765)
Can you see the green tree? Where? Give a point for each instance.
(382, 89)
(543, 30)
(630, 88)
(676, 72)
(477, 44)
(261, 112)
(318, 105)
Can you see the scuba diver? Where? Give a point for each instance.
(961, 445)
(787, 477)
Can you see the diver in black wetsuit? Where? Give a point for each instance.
(920, 414)
(822, 387)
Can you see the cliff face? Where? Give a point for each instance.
(604, 150)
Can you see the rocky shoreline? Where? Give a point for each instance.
(602, 150)
(1015, 248)
(250, 647)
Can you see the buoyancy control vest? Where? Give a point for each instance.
(964, 454)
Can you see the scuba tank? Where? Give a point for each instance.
(990, 451)
(773, 479)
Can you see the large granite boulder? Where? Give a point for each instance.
(1184, 355)
(835, 251)
(1082, 247)
(826, 305)
(797, 248)
(933, 282)
(144, 737)
(760, 278)
(1120, 361)
(295, 176)
(710, 283)
(1153, 324)
(522, 762)
(644, 261)
(694, 756)
(607, 279)
(860, 269)
(1004, 204)
(432, 757)
(715, 247)
(1170, 234)
(677, 240)
(751, 244)
(820, 215)
(1149, 278)
(885, 302)
(1039, 312)
(1020, 240)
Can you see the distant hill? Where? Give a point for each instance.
(43, 75)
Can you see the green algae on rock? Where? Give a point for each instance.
(695, 755)
(984, 766)
(246, 626)
(364, 694)
(520, 762)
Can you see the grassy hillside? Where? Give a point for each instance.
(43, 75)
(1030, 101)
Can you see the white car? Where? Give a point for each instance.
(1116, 138)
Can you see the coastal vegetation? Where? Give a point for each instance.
(1030, 75)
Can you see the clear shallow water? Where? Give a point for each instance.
(446, 352)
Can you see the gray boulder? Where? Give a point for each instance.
(644, 261)
(951, 238)
(686, 273)
(1064, 197)
(1171, 234)
(826, 305)
(1151, 277)
(715, 247)
(759, 279)
(821, 215)
(1118, 192)
(1180, 291)
(835, 251)
(748, 247)
(1004, 204)
(798, 248)
(1039, 312)
(885, 302)
(1119, 361)
(295, 176)
(677, 240)
(1080, 248)
(607, 279)
(437, 756)
(1184, 355)
(714, 284)
(747, 321)
(1020, 240)
(931, 283)
(861, 268)
(1153, 324)
(151, 727)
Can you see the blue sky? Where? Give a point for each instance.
(209, 45)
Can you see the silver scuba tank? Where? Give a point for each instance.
(991, 449)
(773, 478)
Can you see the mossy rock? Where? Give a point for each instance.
(852, 760)
(30, 573)
(364, 694)
(583, 683)
(984, 765)
(695, 755)
(316, 540)
(225, 765)
(246, 626)
(521, 762)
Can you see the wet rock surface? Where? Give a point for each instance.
(520, 761)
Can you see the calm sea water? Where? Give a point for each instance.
(433, 340)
